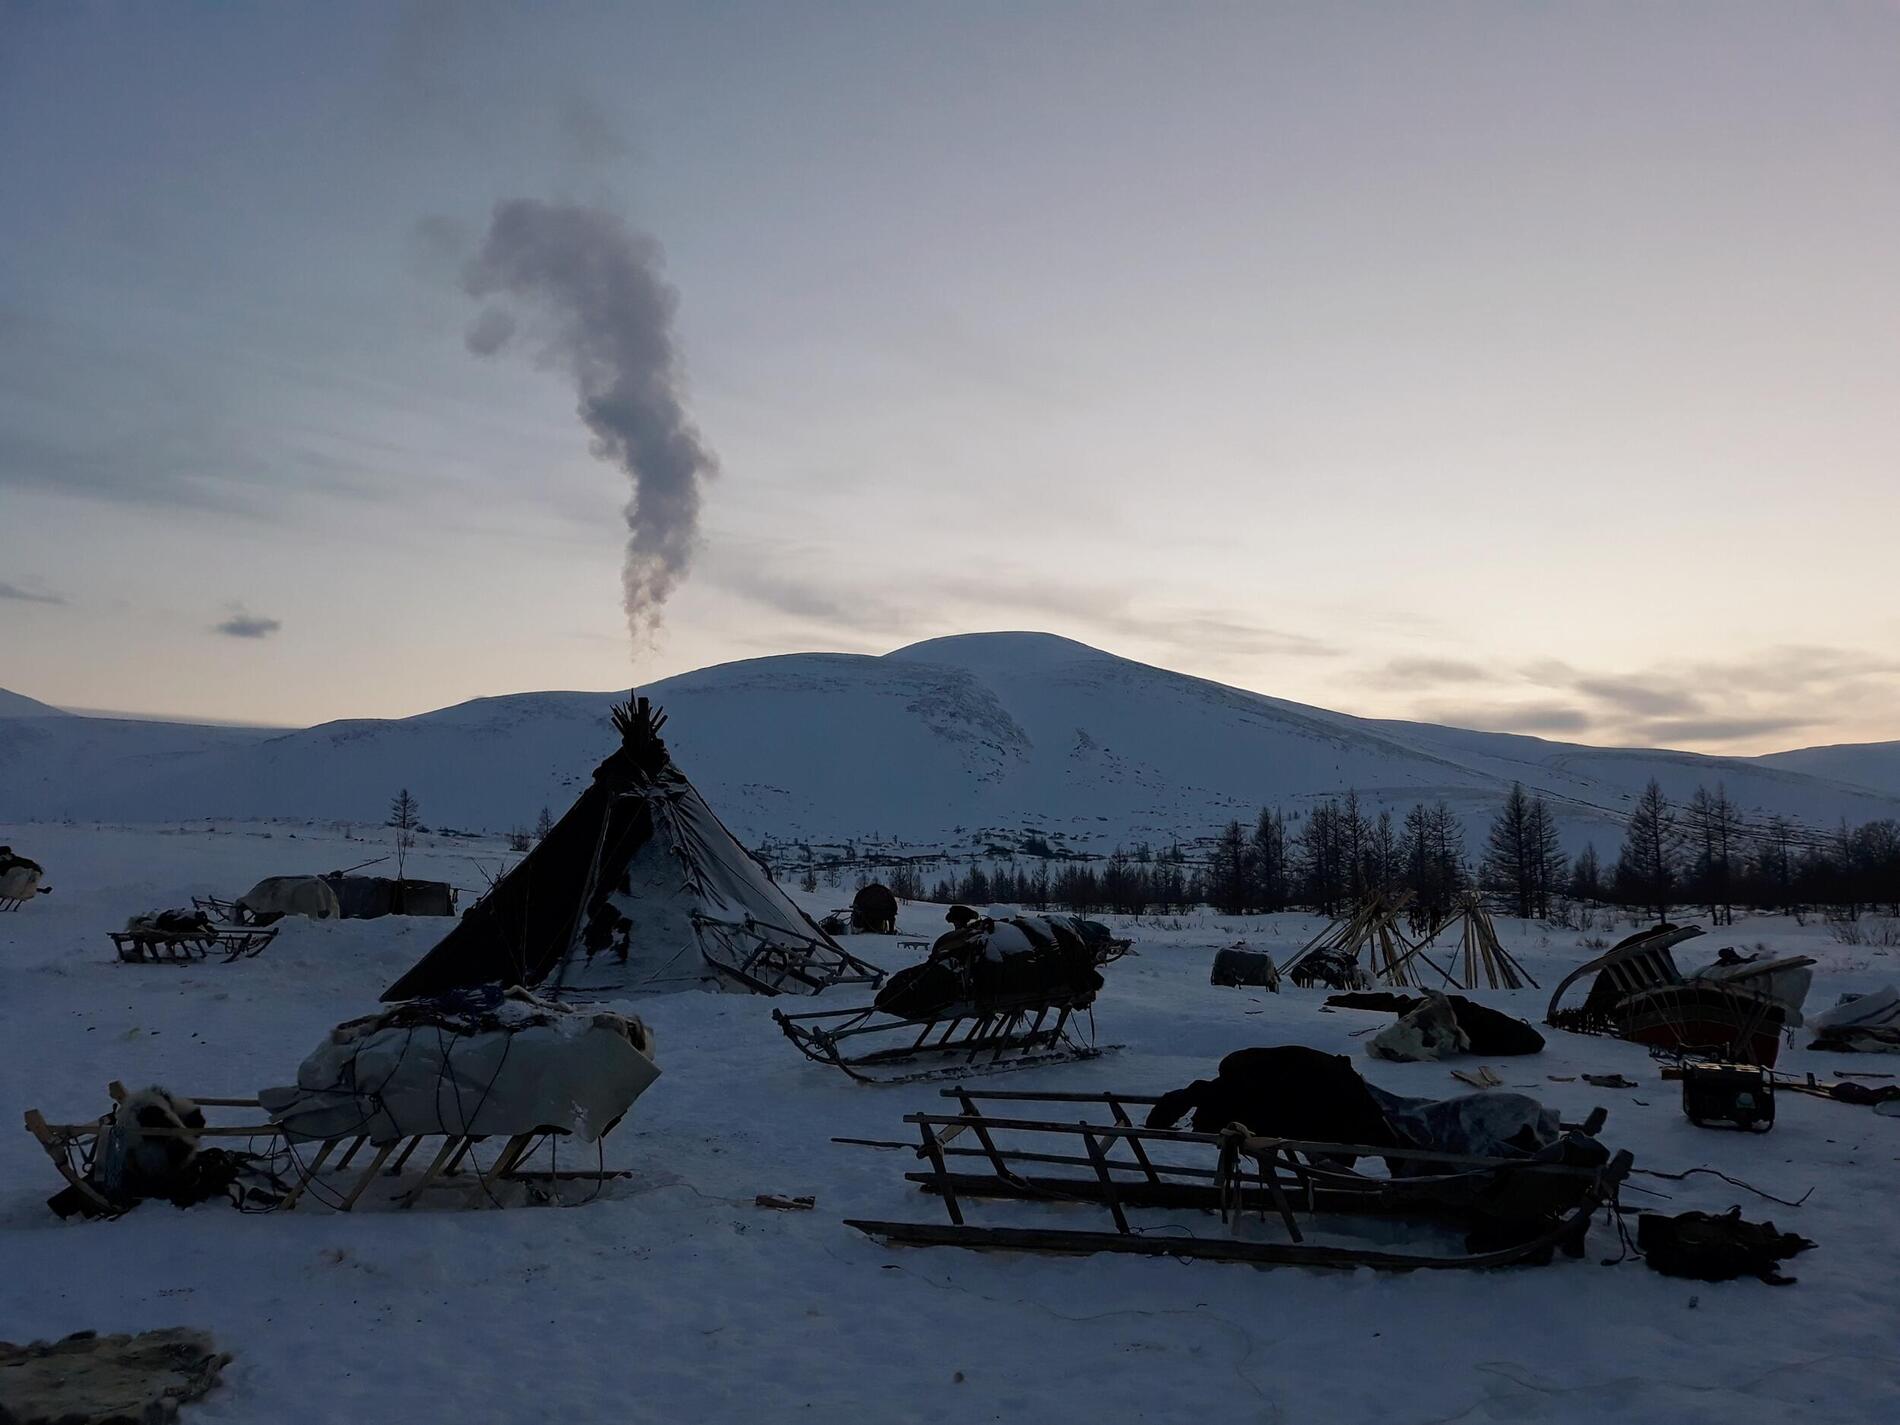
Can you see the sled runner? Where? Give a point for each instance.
(962, 1040)
(275, 1174)
(183, 947)
(1514, 1210)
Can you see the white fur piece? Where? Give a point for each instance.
(292, 895)
(18, 882)
(1429, 1032)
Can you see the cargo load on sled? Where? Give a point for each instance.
(994, 994)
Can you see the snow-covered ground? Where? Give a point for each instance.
(675, 1298)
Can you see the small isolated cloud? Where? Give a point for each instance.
(243, 625)
(589, 135)
(29, 596)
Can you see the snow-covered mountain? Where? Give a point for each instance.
(956, 743)
(18, 705)
(1863, 764)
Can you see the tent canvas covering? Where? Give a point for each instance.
(507, 1065)
(638, 888)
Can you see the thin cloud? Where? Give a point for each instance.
(1509, 717)
(243, 625)
(930, 606)
(1670, 731)
(1416, 672)
(28, 596)
(1647, 696)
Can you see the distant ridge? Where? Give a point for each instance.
(20, 705)
(946, 747)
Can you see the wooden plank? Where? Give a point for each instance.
(368, 1177)
(1253, 1144)
(1224, 1249)
(935, 1151)
(1109, 1194)
(428, 1177)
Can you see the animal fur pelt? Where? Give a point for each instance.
(148, 1149)
(1492, 1032)
(88, 1379)
(1429, 1031)
(1705, 1246)
(1283, 1091)
(19, 877)
(169, 922)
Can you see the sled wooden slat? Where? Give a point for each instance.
(1220, 1249)
(1544, 1205)
(185, 947)
(68, 1143)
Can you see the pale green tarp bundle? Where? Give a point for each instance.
(516, 1065)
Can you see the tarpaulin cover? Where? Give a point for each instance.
(1786, 981)
(479, 1063)
(994, 964)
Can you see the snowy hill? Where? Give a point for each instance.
(1864, 764)
(19, 705)
(957, 743)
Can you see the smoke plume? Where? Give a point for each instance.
(587, 290)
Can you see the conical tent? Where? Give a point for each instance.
(1483, 953)
(638, 888)
(1370, 934)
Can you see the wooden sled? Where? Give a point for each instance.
(1233, 1174)
(777, 960)
(235, 912)
(1640, 995)
(319, 1168)
(183, 947)
(878, 1048)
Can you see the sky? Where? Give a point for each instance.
(1522, 367)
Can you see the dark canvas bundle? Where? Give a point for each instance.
(995, 964)
(1714, 1247)
(1285, 1091)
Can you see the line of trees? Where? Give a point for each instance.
(1704, 853)
(1337, 857)
(1707, 854)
